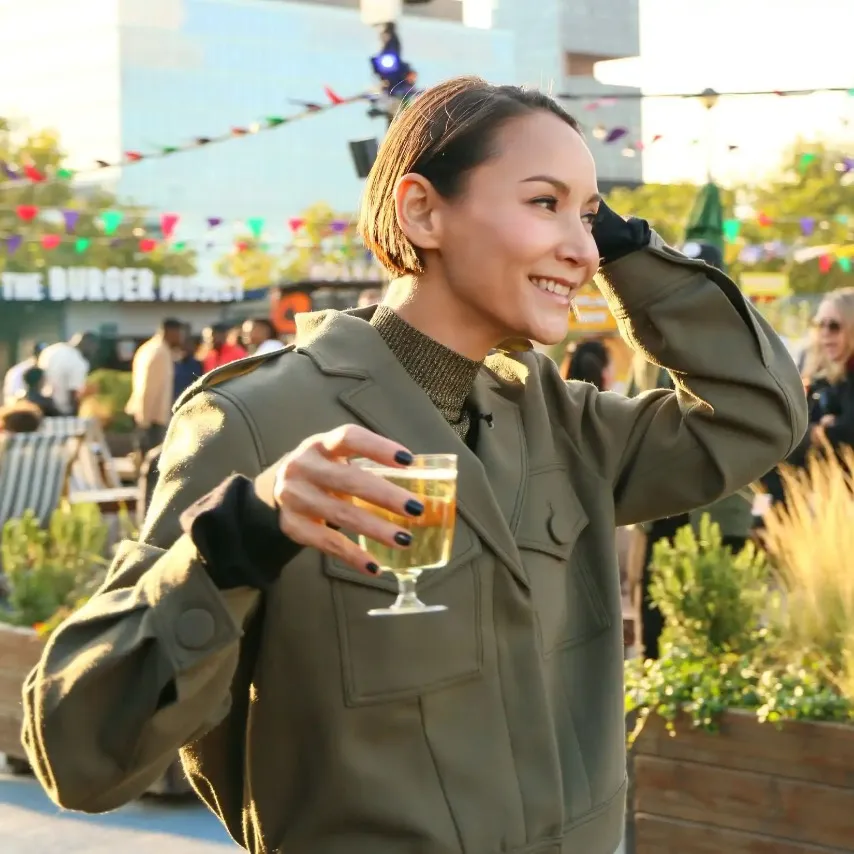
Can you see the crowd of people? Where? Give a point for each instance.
(54, 378)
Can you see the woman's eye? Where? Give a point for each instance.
(590, 218)
(548, 202)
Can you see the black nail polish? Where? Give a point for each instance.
(403, 538)
(413, 507)
(403, 458)
(372, 568)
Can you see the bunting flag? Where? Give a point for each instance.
(594, 102)
(17, 175)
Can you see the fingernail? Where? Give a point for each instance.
(372, 568)
(413, 507)
(403, 538)
(403, 458)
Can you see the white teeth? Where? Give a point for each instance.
(552, 287)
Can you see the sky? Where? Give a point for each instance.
(738, 45)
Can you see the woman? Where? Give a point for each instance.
(828, 376)
(589, 362)
(236, 628)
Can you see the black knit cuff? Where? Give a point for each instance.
(237, 536)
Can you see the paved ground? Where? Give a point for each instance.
(31, 824)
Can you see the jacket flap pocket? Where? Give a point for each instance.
(552, 516)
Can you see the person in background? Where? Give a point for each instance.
(66, 365)
(369, 296)
(153, 384)
(13, 383)
(20, 417)
(34, 392)
(217, 349)
(259, 336)
(828, 374)
(589, 362)
(188, 367)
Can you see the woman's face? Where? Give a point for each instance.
(516, 245)
(830, 333)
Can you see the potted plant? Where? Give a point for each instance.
(742, 736)
(49, 572)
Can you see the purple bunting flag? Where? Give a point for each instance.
(70, 218)
(13, 243)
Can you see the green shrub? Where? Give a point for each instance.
(50, 570)
(726, 643)
(112, 391)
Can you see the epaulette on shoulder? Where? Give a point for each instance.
(231, 371)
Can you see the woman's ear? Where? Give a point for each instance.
(415, 203)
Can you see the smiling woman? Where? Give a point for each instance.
(237, 627)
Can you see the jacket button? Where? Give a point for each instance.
(558, 528)
(194, 629)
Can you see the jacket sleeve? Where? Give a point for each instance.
(146, 665)
(738, 407)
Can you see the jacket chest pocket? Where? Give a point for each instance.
(399, 657)
(567, 600)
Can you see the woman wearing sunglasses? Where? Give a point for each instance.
(828, 373)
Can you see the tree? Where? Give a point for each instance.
(325, 243)
(87, 245)
(808, 202)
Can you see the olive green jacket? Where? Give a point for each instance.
(495, 726)
(733, 513)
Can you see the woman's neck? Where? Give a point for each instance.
(428, 307)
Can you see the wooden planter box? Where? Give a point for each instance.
(749, 789)
(20, 650)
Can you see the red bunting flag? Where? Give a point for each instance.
(168, 221)
(33, 174)
(133, 156)
(27, 212)
(825, 263)
(147, 244)
(763, 219)
(296, 223)
(333, 98)
(51, 241)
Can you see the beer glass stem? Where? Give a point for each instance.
(407, 598)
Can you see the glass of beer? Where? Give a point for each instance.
(432, 479)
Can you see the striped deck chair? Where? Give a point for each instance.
(94, 469)
(33, 470)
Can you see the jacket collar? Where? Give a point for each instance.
(374, 387)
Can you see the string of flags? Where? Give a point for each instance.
(18, 174)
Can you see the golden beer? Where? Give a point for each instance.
(432, 479)
(432, 531)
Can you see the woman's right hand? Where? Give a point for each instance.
(315, 485)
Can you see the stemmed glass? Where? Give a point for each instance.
(432, 478)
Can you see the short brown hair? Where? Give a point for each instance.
(445, 132)
(21, 417)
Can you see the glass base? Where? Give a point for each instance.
(420, 608)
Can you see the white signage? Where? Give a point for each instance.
(128, 284)
(359, 272)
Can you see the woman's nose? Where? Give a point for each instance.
(581, 251)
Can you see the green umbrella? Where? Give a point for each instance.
(706, 222)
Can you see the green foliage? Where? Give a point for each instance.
(722, 647)
(712, 601)
(51, 570)
(111, 393)
(795, 190)
(42, 149)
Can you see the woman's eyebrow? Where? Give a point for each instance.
(560, 186)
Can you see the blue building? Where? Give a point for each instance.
(141, 75)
